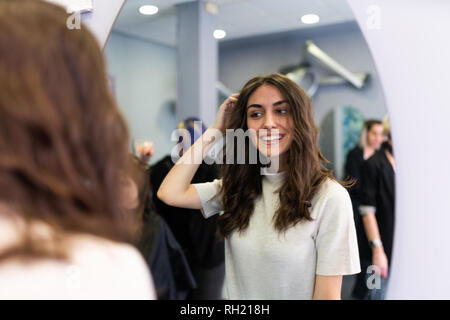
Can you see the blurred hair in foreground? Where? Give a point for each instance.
(63, 141)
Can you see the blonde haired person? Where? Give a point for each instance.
(377, 208)
(370, 140)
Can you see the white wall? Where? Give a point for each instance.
(102, 17)
(145, 85)
(411, 52)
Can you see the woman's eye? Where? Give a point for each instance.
(282, 111)
(255, 115)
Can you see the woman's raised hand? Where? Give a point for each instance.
(225, 108)
(145, 151)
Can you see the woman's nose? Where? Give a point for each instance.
(269, 121)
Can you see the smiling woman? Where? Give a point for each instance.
(293, 228)
(268, 115)
(406, 90)
(149, 55)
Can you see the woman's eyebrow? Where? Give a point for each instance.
(254, 106)
(280, 102)
(260, 106)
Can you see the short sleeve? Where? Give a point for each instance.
(207, 191)
(336, 242)
(368, 202)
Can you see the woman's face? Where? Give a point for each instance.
(268, 109)
(375, 136)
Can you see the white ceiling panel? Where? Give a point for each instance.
(239, 18)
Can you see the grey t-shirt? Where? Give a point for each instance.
(262, 263)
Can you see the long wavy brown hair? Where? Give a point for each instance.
(140, 175)
(63, 141)
(242, 183)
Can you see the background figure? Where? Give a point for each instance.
(377, 210)
(370, 140)
(64, 232)
(172, 275)
(196, 235)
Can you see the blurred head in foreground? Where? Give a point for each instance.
(63, 141)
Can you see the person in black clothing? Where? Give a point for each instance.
(377, 205)
(196, 235)
(172, 275)
(370, 140)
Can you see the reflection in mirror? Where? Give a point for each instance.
(169, 72)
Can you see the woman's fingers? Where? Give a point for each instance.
(232, 99)
(145, 149)
(224, 109)
(385, 272)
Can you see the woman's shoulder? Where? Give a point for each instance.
(375, 162)
(332, 190)
(88, 248)
(332, 200)
(96, 268)
(119, 261)
(355, 152)
(376, 158)
(332, 187)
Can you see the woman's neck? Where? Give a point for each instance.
(368, 151)
(282, 162)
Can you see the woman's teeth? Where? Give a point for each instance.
(272, 138)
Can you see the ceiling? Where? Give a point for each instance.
(239, 18)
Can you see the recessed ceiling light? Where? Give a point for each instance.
(148, 10)
(219, 34)
(310, 18)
